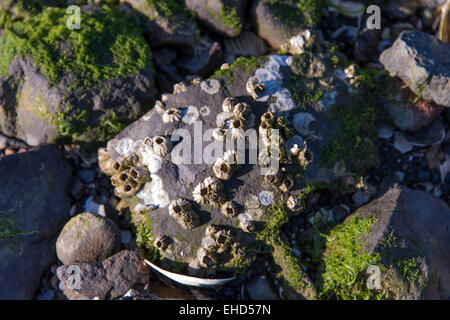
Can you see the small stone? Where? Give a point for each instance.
(86, 175)
(259, 289)
(385, 130)
(77, 188)
(399, 176)
(9, 151)
(3, 142)
(360, 198)
(125, 236)
(46, 295)
(401, 144)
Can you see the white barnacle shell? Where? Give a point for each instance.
(209, 181)
(229, 209)
(242, 110)
(253, 85)
(211, 87)
(153, 193)
(222, 169)
(159, 106)
(179, 205)
(302, 121)
(231, 157)
(190, 115)
(200, 193)
(238, 126)
(294, 143)
(297, 44)
(171, 115)
(179, 87)
(228, 104)
(161, 145)
(223, 117)
(219, 134)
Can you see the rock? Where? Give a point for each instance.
(367, 42)
(411, 115)
(167, 23)
(401, 144)
(401, 9)
(86, 175)
(259, 289)
(87, 238)
(206, 58)
(360, 198)
(92, 206)
(434, 134)
(423, 63)
(247, 44)
(46, 295)
(109, 279)
(223, 17)
(77, 188)
(423, 176)
(44, 97)
(406, 234)
(34, 205)
(125, 236)
(3, 142)
(399, 176)
(176, 187)
(385, 130)
(278, 21)
(433, 4)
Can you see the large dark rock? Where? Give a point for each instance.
(83, 88)
(88, 238)
(225, 17)
(109, 279)
(34, 205)
(406, 234)
(423, 63)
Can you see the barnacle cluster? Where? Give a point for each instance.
(229, 209)
(163, 242)
(218, 245)
(159, 145)
(171, 115)
(128, 177)
(181, 210)
(225, 166)
(281, 180)
(233, 119)
(210, 191)
(179, 87)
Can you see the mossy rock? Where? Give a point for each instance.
(82, 85)
(167, 23)
(404, 234)
(225, 17)
(276, 21)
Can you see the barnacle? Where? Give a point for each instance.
(163, 242)
(222, 169)
(242, 110)
(206, 259)
(140, 174)
(231, 157)
(209, 191)
(228, 104)
(229, 209)
(181, 210)
(238, 126)
(171, 115)
(159, 107)
(211, 86)
(305, 156)
(294, 203)
(274, 179)
(253, 86)
(159, 145)
(128, 177)
(179, 87)
(287, 183)
(219, 134)
(270, 118)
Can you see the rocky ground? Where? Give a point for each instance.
(365, 169)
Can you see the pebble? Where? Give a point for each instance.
(423, 176)
(91, 206)
(401, 144)
(46, 295)
(9, 151)
(86, 175)
(399, 176)
(125, 236)
(385, 130)
(77, 188)
(360, 198)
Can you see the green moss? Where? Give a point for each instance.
(410, 271)
(172, 10)
(345, 261)
(107, 46)
(299, 13)
(230, 18)
(8, 229)
(248, 64)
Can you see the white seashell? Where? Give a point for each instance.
(297, 44)
(171, 115)
(266, 198)
(302, 121)
(211, 86)
(228, 104)
(190, 281)
(153, 193)
(190, 115)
